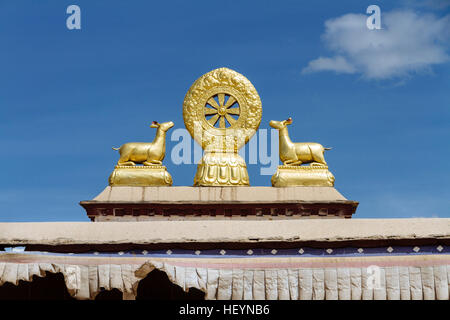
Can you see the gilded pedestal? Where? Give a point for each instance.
(221, 169)
(307, 176)
(140, 176)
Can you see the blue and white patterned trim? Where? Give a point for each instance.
(259, 252)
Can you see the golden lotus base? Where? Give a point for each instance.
(221, 169)
(140, 176)
(307, 176)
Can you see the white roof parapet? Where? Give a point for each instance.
(217, 194)
(213, 231)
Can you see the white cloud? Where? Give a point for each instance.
(338, 64)
(408, 42)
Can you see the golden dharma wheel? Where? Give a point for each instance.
(222, 110)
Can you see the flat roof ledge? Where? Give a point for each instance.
(245, 232)
(150, 203)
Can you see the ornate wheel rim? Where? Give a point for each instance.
(221, 109)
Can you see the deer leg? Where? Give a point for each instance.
(317, 157)
(126, 163)
(319, 160)
(318, 164)
(292, 163)
(124, 159)
(152, 163)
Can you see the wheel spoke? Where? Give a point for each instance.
(213, 120)
(230, 119)
(221, 97)
(209, 111)
(213, 103)
(230, 102)
(235, 111)
(222, 122)
(220, 111)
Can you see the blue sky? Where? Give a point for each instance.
(381, 100)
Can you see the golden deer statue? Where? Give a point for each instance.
(147, 153)
(294, 154)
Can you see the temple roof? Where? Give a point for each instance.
(244, 232)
